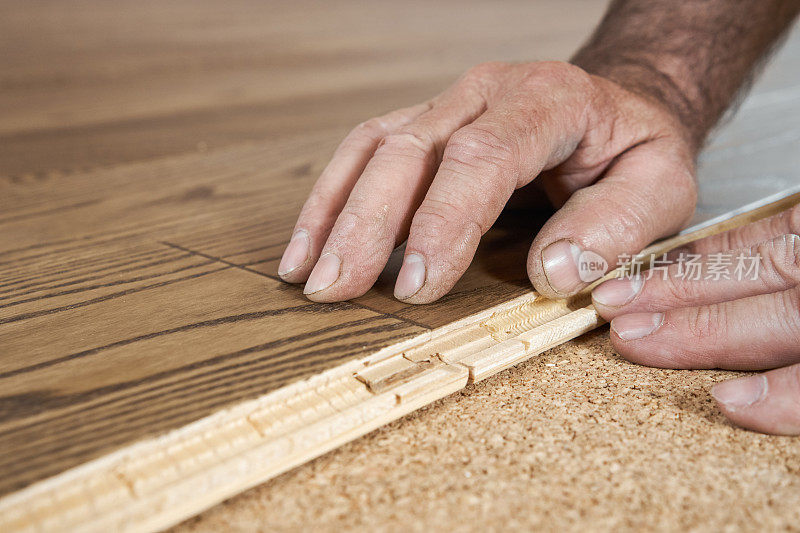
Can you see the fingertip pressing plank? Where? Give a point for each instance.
(162, 481)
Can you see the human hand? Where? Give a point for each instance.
(739, 324)
(618, 163)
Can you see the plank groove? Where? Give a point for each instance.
(153, 158)
(100, 410)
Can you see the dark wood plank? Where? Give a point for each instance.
(115, 358)
(496, 275)
(99, 84)
(153, 157)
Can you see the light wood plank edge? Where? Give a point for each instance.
(161, 481)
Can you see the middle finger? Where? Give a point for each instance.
(378, 211)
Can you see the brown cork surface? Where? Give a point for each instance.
(153, 159)
(576, 438)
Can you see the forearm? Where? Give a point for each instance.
(694, 56)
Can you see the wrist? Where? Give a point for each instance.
(641, 76)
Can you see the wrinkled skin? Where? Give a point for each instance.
(747, 324)
(438, 174)
(620, 167)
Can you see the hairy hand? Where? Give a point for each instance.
(617, 162)
(746, 322)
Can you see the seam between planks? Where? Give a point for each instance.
(161, 481)
(277, 278)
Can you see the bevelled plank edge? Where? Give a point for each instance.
(159, 482)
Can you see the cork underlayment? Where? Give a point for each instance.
(575, 438)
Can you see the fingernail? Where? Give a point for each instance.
(296, 253)
(636, 325)
(411, 277)
(324, 274)
(742, 392)
(561, 262)
(618, 292)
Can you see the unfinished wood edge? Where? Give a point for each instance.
(158, 482)
(163, 480)
(753, 215)
(531, 343)
(658, 248)
(238, 473)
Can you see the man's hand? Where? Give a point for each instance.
(611, 138)
(438, 174)
(752, 323)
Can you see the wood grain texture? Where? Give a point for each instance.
(153, 158)
(212, 335)
(162, 481)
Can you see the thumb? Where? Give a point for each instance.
(648, 193)
(769, 402)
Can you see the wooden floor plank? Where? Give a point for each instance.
(497, 274)
(195, 190)
(118, 359)
(103, 84)
(153, 158)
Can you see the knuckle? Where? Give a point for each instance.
(558, 71)
(788, 261)
(792, 249)
(368, 131)
(784, 224)
(622, 217)
(315, 211)
(408, 142)
(676, 291)
(483, 80)
(563, 81)
(479, 147)
(788, 312)
(485, 71)
(352, 219)
(707, 322)
(428, 222)
(323, 197)
(729, 240)
(434, 217)
(359, 227)
(780, 257)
